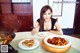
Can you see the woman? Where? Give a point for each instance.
(46, 22)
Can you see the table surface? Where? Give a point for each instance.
(75, 47)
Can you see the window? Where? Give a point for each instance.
(21, 1)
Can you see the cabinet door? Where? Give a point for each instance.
(11, 22)
(5, 1)
(22, 9)
(16, 23)
(5, 6)
(26, 22)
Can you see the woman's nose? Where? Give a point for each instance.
(46, 16)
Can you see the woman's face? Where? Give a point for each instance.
(47, 15)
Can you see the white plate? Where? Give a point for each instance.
(36, 44)
(43, 34)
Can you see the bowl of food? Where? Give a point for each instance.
(6, 37)
(56, 44)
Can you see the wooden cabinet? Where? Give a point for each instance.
(16, 16)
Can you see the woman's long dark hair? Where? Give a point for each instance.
(43, 10)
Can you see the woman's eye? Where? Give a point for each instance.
(44, 13)
(49, 13)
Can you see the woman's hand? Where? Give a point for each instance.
(34, 31)
(55, 32)
(58, 29)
